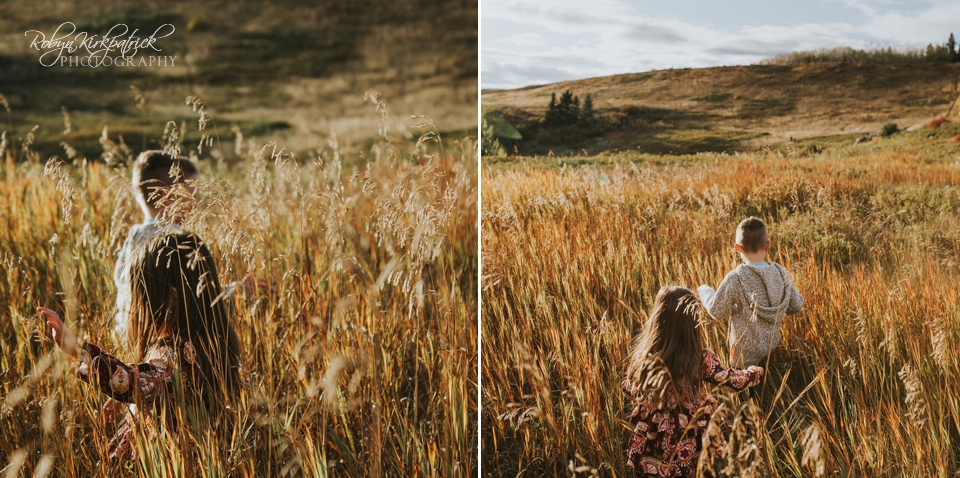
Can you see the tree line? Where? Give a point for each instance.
(943, 52)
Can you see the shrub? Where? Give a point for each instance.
(198, 23)
(936, 122)
(489, 145)
(889, 129)
(631, 110)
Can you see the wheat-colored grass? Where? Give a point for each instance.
(865, 380)
(360, 360)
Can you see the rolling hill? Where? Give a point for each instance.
(282, 70)
(735, 108)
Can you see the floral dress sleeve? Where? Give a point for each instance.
(729, 379)
(131, 382)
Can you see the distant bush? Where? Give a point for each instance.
(198, 23)
(936, 122)
(888, 129)
(631, 110)
(712, 96)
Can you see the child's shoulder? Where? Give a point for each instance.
(782, 269)
(744, 267)
(737, 271)
(142, 232)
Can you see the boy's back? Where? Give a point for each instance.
(755, 297)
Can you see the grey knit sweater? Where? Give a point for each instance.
(755, 299)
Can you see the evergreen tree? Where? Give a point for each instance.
(551, 117)
(568, 109)
(937, 53)
(952, 48)
(564, 108)
(586, 112)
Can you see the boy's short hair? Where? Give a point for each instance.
(152, 169)
(752, 234)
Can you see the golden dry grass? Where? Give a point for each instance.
(360, 360)
(865, 380)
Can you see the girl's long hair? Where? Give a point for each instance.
(668, 353)
(175, 290)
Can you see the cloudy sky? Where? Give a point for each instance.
(529, 42)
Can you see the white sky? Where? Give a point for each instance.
(528, 42)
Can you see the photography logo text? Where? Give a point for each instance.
(119, 47)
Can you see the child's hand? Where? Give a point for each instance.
(757, 373)
(62, 335)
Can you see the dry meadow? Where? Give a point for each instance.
(360, 359)
(864, 382)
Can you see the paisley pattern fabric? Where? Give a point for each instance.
(149, 385)
(667, 440)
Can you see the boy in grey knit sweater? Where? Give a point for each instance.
(755, 297)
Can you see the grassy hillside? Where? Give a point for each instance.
(736, 108)
(288, 70)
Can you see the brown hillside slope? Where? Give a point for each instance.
(288, 70)
(785, 101)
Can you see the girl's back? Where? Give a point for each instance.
(186, 357)
(665, 376)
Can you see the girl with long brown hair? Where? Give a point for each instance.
(667, 367)
(185, 363)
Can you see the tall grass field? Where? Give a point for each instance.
(359, 360)
(866, 381)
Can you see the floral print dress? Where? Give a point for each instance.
(149, 385)
(667, 440)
